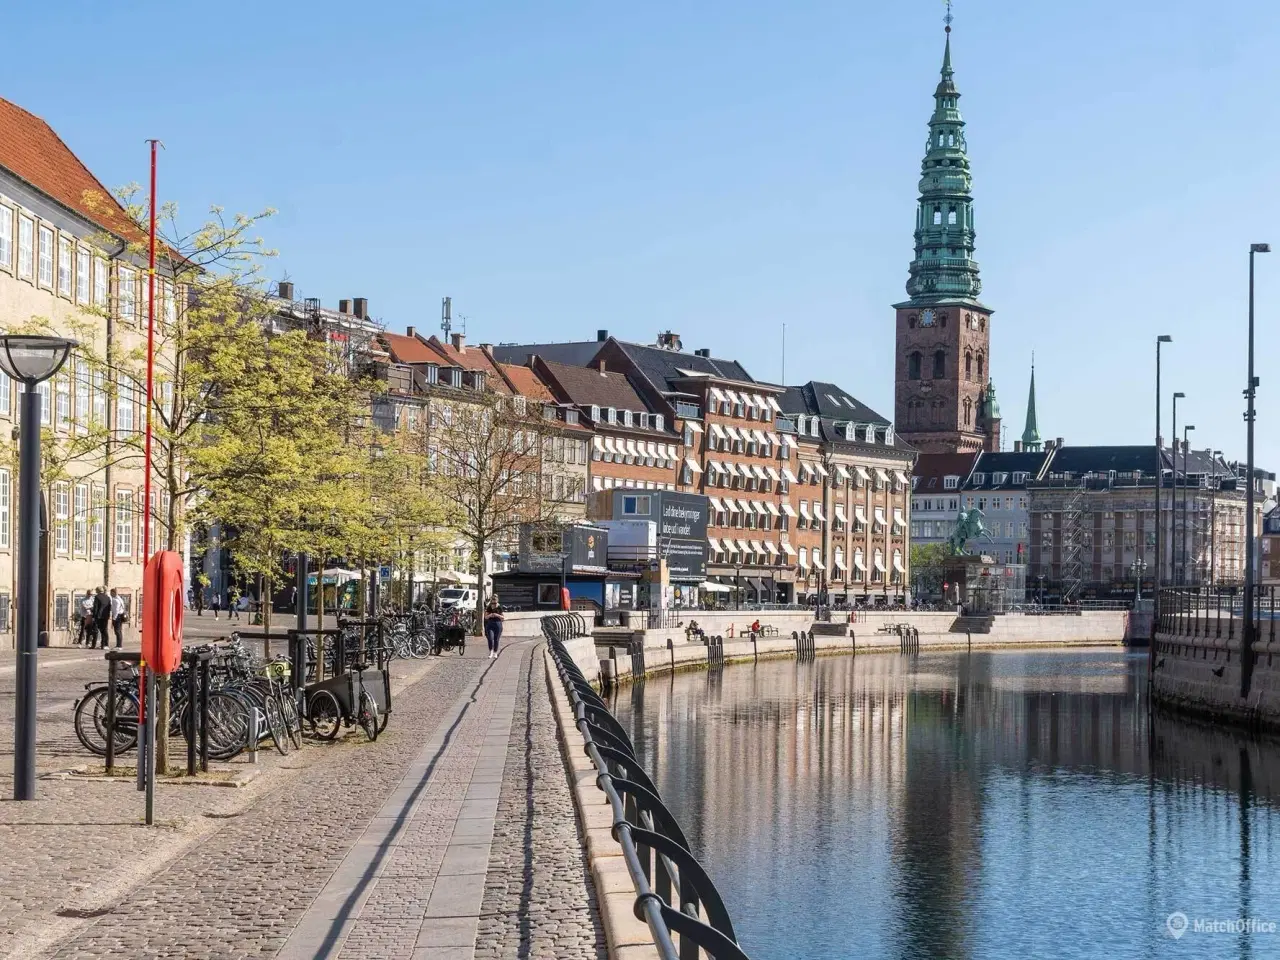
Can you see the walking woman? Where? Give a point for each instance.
(493, 625)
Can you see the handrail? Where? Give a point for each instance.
(654, 847)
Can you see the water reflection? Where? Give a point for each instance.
(963, 806)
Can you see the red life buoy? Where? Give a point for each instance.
(162, 594)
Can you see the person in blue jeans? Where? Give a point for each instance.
(493, 625)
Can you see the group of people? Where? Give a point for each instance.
(100, 614)
(196, 601)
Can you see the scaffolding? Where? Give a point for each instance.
(1073, 536)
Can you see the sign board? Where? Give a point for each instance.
(681, 520)
(583, 547)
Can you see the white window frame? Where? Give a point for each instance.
(6, 236)
(66, 250)
(124, 407)
(5, 513)
(44, 257)
(62, 400)
(84, 266)
(98, 521)
(127, 293)
(62, 517)
(80, 520)
(45, 389)
(98, 399)
(26, 247)
(124, 524)
(101, 281)
(80, 410)
(6, 394)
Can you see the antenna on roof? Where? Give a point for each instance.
(783, 380)
(446, 316)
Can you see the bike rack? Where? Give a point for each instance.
(197, 662)
(115, 657)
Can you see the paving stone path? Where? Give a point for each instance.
(451, 836)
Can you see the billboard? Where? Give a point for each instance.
(545, 550)
(681, 520)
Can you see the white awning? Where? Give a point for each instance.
(714, 544)
(817, 561)
(804, 509)
(837, 565)
(609, 445)
(649, 449)
(773, 474)
(717, 431)
(817, 512)
(730, 468)
(897, 564)
(755, 547)
(760, 508)
(671, 452)
(716, 505)
(759, 472)
(631, 449)
(742, 546)
(839, 510)
(881, 475)
(841, 472)
(862, 473)
(860, 515)
(692, 464)
(597, 443)
(788, 510)
(597, 483)
(718, 397)
(902, 477)
(773, 438)
(733, 432)
(774, 404)
(822, 471)
(788, 440)
(788, 549)
(760, 401)
(731, 505)
(879, 562)
(759, 436)
(857, 562)
(746, 506)
(788, 475)
(768, 505)
(898, 520)
(879, 515)
(693, 425)
(711, 587)
(768, 545)
(733, 397)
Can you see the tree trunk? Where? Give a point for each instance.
(162, 724)
(480, 597)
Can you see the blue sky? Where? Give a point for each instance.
(722, 168)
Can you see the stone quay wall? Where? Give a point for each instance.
(1201, 675)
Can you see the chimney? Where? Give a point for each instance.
(410, 332)
(285, 290)
(459, 342)
(1058, 443)
(344, 306)
(361, 307)
(602, 370)
(704, 352)
(1017, 446)
(602, 335)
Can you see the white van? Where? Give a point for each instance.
(463, 598)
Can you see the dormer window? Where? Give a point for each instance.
(548, 412)
(571, 416)
(518, 404)
(871, 433)
(800, 423)
(455, 377)
(657, 421)
(813, 427)
(1019, 477)
(433, 373)
(611, 415)
(626, 418)
(595, 413)
(477, 379)
(979, 479)
(951, 482)
(849, 433)
(888, 436)
(998, 479)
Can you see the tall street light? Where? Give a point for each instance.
(1173, 498)
(29, 360)
(1160, 341)
(1186, 486)
(1213, 520)
(1246, 639)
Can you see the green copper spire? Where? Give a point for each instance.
(1031, 435)
(944, 268)
(990, 405)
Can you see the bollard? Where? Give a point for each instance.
(671, 650)
(254, 733)
(151, 746)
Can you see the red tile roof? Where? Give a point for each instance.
(404, 349)
(30, 149)
(527, 383)
(470, 358)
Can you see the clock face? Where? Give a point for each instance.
(926, 318)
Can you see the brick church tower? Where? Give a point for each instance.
(943, 400)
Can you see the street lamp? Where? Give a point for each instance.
(1173, 497)
(1246, 658)
(1139, 567)
(29, 360)
(1213, 520)
(1185, 488)
(1160, 341)
(737, 596)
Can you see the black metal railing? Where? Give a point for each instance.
(1217, 612)
(654, 847)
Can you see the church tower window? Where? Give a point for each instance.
(913, 366)
(939, 364)
(968, 365)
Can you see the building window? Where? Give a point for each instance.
(951, 217)
(6, 394)
(124, 523)
(45, 275)
(937, 211)
(62, 517)
(635, 506)
(80, 524)
(914, 362)
(939, 364)
(97, 522)
(124, 406)
(82, 276)
(4, 509)
(968, 365)
(101, 277)
(26, 246)
(64, 266)
(968, 411)
(44, 389)
(127, 294)
(62, 391)
(6, 237)
(981, 366)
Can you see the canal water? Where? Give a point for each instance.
(984, 805)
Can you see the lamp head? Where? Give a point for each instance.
(1179, 396)
(1188, 428)
(32, 359)
(1164, 338)
(1259, 248)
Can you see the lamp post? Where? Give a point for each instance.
(1139, 567)
(1185, 489)
(1173, 497)
(1213, 521)
(737, 595)
(1160, 341)
(1246, 637)
(29, 360)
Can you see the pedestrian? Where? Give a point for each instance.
(199, 590)
(118, 618)
(102, 614)
(216, 604)
(233, 608)
(84, 610)
(493, 625)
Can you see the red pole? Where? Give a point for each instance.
(151, 363)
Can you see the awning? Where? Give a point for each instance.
(597, 483)
(715, 504)
(840, 517)
(731, 505)
(710, 587)
(857, 562)
(759, 472)
(693, 425)
(774, 438)
(879, 515)
(714, 544)
(746, 506)
(898, 520)
(760, 401)
(768, 545)
(817, 512)
(837, 565)
(817, 560)
(881, 475)
(774, 404)
(902, 477)
(692, 464)
(788, 510)
(788, 475)
(652, 449)
(759, 436)
(717, 431)
(773, 474)
(804, 473)
(760, 508)
(841, 472)
(822, 471)
(718, 397)
(788, 549)
(733, 432)
(879, 562)
(768, 505)
(804, 509)
(742, 546)
(668, 451)
(730, 468)
(897, 564)
(609, 445)
(733, 397)
(862, 474)
(755, 547)
(860, 515)
(597, 444)
(788, 440)
(757, 585)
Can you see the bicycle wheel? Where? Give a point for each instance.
(462, 645)
(324, 714)
(367, 715)
(274, 720)
(289, 711)
(91, 721)
(419, 646)
(228, 724)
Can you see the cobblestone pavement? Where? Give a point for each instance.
(539, 899)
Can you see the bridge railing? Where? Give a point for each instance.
(1217, 612)
(675, 896)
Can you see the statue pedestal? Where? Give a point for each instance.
(968, 580)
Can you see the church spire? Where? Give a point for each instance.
(1031, 435)
(944, 269)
